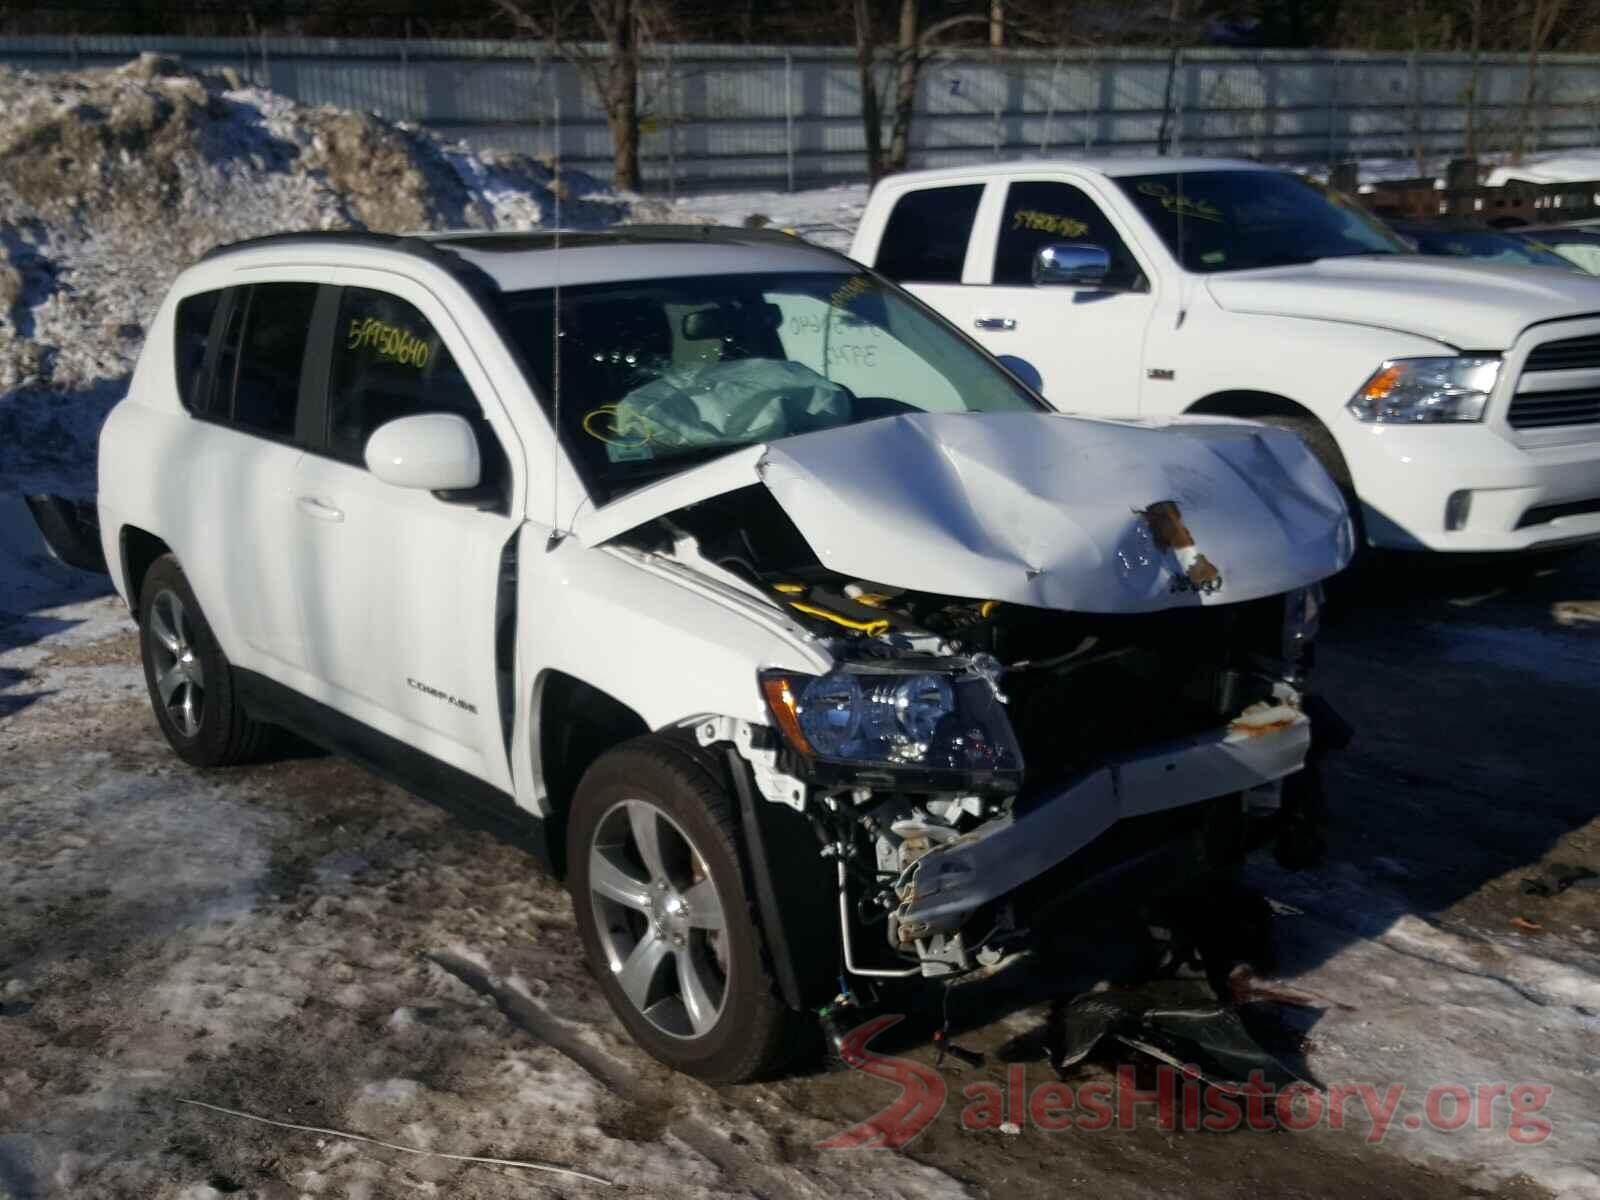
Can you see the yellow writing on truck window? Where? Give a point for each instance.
(387, 341)
(1181, 205)
(1044, 222)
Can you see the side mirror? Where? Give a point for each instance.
(436, 452)
(1071, 264)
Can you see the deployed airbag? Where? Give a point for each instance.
(725, 403)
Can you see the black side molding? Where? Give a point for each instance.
(71, 528)
(479, 804)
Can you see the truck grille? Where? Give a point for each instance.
(1569, 354)
(1540, 410)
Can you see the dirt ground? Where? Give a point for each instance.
(303, 942)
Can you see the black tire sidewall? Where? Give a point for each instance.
(750, 1009)
(216, 737)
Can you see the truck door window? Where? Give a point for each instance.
(277, 323)
(390, 362)
(1039, 213)
(925, 238)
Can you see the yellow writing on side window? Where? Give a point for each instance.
(387, 341)
(1043, 222)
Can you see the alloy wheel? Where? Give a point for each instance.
(660, 918)
(180, 677)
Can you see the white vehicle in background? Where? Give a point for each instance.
(800, 636)
(1460, 402)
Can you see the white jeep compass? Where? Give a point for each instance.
(806, 641)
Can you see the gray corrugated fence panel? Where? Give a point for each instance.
(718, 116)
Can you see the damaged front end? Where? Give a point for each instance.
(956, 787)
(1038, 674)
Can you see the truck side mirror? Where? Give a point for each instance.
(1071, 264)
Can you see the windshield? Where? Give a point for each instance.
(1233, 220)
(660, 374)
(1486, 245)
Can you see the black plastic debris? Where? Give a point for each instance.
(1558, 877)
(1171, 1023)
(71, 529)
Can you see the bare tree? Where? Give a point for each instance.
(913, 47)
(614, 75)
(1474, 77)
(1542, 17)
(871, 118)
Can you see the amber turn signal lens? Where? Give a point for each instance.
(783, 703)
(1381, 384)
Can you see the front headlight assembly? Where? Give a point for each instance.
(1427, 390)
(868, 717)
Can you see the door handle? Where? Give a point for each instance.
(319, 509)
(1004, 324)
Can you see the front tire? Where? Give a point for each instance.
(190, 680)
(1325, 450)
(666, 918)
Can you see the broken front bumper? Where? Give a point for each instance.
(945, 886)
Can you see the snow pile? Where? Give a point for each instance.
(113, 181)
(1568, 166)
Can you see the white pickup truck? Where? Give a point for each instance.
(1459, 401)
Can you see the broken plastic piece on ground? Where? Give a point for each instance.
(1173, 1025)
(1558, 877)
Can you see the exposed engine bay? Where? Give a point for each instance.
(964, 749)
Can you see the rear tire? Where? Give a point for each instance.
(190, 679)
(667, 918)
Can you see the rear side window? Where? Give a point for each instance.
(388, 362)
(1039, 213)
(925, 240)
(193, 336)
(271, 352)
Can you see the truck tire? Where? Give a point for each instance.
(667, 918)
(190, 679)
(1326, 451)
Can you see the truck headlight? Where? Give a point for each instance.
(883, 715)
(1421, 390)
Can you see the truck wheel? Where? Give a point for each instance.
(190, 680)
(667, 921)
(1326, 451)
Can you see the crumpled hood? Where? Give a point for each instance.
(1465, 304)
(1039, 509)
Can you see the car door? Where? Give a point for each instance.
(401, 594)
(237, 473)
(1086, 343)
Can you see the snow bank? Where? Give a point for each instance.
(1569, 166)
(113, 181)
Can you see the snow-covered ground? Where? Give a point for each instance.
(301, 942)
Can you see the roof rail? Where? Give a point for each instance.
(437, 248)
(471, 276)
(336, 237)
(540, 239)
